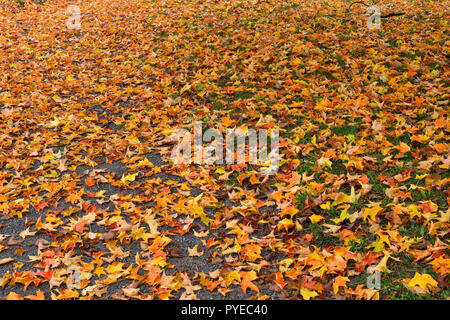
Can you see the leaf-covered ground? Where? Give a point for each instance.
(87, 186)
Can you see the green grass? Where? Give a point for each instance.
(320, 238)
(364, 241)
(345, 130)
(391, 286)
(300, 200)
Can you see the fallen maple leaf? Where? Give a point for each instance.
(6, 260)
(193, 252)
(424, 281)
(308, 294)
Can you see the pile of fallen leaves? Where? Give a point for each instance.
(91, 207)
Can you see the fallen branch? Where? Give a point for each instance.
(394, 14)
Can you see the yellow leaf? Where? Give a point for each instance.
(115, 268)
(54, 123)
(298, 226)
(372, 212)
(326, 206)
(308, 294)
(132, 139)
(285, 223)
(315, 218)
(128, 178)
(220, 170)
(342, 198)
(296, 62)
(26, 233)
(424, 281)
(194, 251)
(145, 163)
(231, 276)
(101, 88)
(185, 88)
(382, 265)
(353, 196)
(290, 210)
(324, 162)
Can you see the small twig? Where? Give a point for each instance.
(394, 14)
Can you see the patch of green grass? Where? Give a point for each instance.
(259, 97)
(402, 69)
(345, 130)
(199, 86)
(377, 186)
(332, 213)
(337, 168)
(300, 200)
(298, 99)
(393, 42)
(364, 241)
(392, 171)
(391, 286)
(307, 165)
(320, 238)
(232, 180)
(406, 138)
(244, 95)
(440, 198)
(190, 59)
(219, 103)
(323, 126)
(413, 230)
